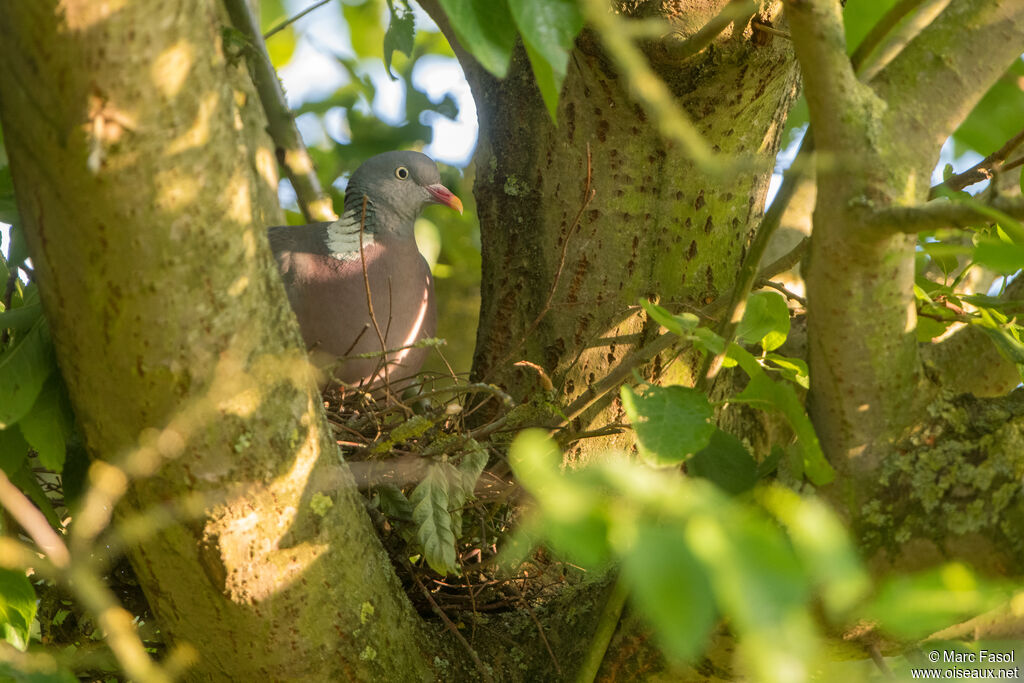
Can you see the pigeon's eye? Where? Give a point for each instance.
(401, 173)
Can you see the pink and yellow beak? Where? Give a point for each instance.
(442, 195)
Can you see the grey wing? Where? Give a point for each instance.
(286, 240)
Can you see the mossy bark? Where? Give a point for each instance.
(144, 186)
(658, 228)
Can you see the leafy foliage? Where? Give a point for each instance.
(765, 323)
(548, 29)
(691, 554)
(17, 607)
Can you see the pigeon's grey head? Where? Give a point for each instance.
(398, 185)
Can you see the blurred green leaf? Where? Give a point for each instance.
(574, 521)
(365, 27)
(48, 424)
(944, 255)
(400, 34)
(281, 45)
(1002, 257)
(765, 321)
(24, 368)
(549, 29)
(485, 29)
(915, 606)
(51, 674)
(434, 523)
(822, 545)
(671, 422)
(759, 586)
(671, 588)
(859, 16)
(726, 463)
(17, 607)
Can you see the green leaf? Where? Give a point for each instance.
(48, 424)
(549, 29)
(671, 588)
(17, 607)
(911, 607)
(24, 368)
(434, 522)
(471, 466)
(400, 34)
(822, 545)
(486, 29)
(21, 318)
(793, 369)
(755, 575)
(929, 328)
(13, 450)
(765, 321)
(1004, 258)
(392, 502)
(681, 325)
(943, 255)
(671, 423)
(726, 463)
(765, 393)
(575, 521)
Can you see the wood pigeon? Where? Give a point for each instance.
(324, 274)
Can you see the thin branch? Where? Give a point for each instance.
(785, 262)
(782, 289)
(31, 519)
(983, 170)
(939, 214)
(607, 622)
(288, 22)
(291, 152)
(680, 50)
(369, 306)
(484, 671)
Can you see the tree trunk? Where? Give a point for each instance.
(144, 200)
(561, 282)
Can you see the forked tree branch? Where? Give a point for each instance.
(939, 214)
(983, 170)
(938, 78)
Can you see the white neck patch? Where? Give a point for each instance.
(343, 237)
